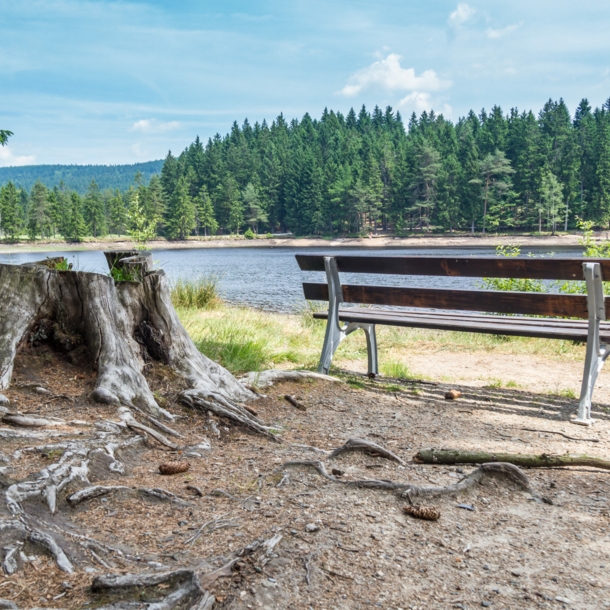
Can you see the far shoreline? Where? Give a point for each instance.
(367, 243)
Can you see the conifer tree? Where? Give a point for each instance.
(11, 221)
(93, 210)
(181, 218)
(39, 221)
(205, 213)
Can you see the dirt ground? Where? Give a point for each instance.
(341, 547)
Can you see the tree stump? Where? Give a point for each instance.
(120, 320)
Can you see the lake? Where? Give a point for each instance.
(269, 278)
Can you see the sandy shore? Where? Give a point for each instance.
(435, 241)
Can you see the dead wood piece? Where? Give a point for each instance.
(226, 570)
(215, 524)
(169, 468)
(429, 513)
(452, 394)
(572, 438)
(222, 492)
(544, 460)
(9, 565)
(360, 444)
(267, 378)
(195, 489)
(89, 493)
(294, 402)
(162, 494)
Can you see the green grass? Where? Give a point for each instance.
(243, 339)
(197, 293)
(396, 370)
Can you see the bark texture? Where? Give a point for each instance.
(120, 324)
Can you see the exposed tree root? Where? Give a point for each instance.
(130, 421)
(187, 592)
(224, 408)
(544, 460)
(500, 470)
(267, 378)
(360, 444)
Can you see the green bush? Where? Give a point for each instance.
(249, 234)
(198, 293)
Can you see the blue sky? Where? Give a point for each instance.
(123, 82)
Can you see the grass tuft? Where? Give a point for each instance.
(197, 293)
(396, 370)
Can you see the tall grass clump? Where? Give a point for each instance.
(196, 293)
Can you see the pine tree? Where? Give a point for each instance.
(551, 196)
(117, 214)
(74, 227)
(495, 186)
(93, 210)
(11, 221)
(423, 187)
(236, 213)
(205, 213)
(255, 213)
(39, 221)
(181, 219)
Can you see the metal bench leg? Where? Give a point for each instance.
(371, 349)
(596, 351)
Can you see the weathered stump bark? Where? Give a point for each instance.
(120, 323)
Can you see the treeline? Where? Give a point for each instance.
(60, 211)
(360, 172)
(351, 173)
(78, 177)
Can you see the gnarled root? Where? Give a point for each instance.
(187, 589)
(267, 378)
(360, 444)
(227, 409)
(406, 490)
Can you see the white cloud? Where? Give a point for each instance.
(463, 13)
(388, 74)
(8, 158)
(498, 33)
(418, 101)
(154, 126)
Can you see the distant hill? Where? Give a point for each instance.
(78, 177)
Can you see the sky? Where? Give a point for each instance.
(124, 82)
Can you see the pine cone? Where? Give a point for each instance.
(452, 394)
(423, 512)
(174, 467)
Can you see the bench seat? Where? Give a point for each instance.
(518, 326)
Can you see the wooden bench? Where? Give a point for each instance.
(565, 316)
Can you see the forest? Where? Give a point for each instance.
(78, 177)
(352, 174)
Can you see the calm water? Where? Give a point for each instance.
(269, 278)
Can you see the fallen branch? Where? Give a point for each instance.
(447, 456)
(294, 402)
(360, 444)
(572, 438)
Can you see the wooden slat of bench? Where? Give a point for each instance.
(459, 266)
(477, 325)
(527, 303)
(487, 318)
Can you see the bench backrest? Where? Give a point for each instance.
(526, 303)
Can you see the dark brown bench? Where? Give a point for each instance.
(565, 316)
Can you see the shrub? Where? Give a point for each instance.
(249, 234)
